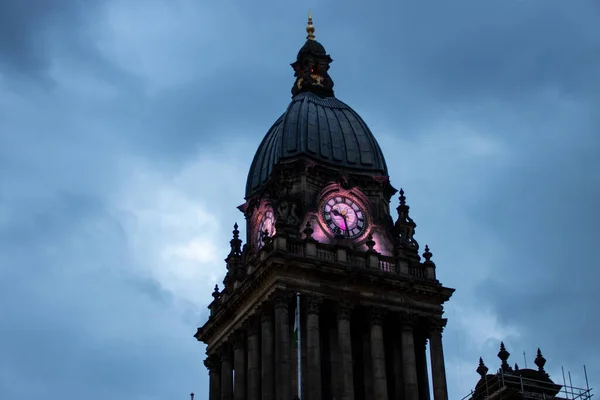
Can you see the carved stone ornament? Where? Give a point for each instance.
(344, 310)
(408, 321)
(266, 313)
(313, 304)
(213, 363)
(377, 315)
(225, 351)
(239, 339)
(287, 212)
(281, 299)
(437, 325)
(252, 325)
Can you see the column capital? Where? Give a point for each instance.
(213, 363)
(252, 324)
(313, 304)
(408, 321)
(265, 311)
(239, 339)
(281, 298)
(377, 315)
(344, 310)
(225, 352)
(436, 326)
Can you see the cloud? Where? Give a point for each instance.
(126, 131)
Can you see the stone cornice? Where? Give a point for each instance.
(282, 264)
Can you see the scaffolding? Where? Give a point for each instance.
(508, 386)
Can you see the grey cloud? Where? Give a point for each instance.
(76, 322)
(29, 30)
(513, 231)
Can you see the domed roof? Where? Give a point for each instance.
(316, 125)
(323, 129)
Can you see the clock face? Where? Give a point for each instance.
(267, 223)
(344, 216)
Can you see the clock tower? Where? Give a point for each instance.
(329, 297)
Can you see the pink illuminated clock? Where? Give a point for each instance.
(344, 216)
(266, 223)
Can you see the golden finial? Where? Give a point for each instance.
(310, 29)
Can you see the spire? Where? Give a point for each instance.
(405, 228)
(540, 361)
(482, 370)
(370, 243)
(308, 231)
(503, 355)
(310, 28)
(427, 255)
(216, 294)
(236, 243)
(311, 66)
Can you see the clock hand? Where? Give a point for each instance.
(338, 214)
(346, 225)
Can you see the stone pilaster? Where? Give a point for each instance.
(380, 389)
(268, 353)
(213, 363)
(283, 366)
(438, 368)
(409, 366)
(239, 365)
(344, 314)
(226, 373)
(253, 346)
(313, 345)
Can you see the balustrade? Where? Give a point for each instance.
(345, 256)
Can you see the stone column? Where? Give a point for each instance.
(398, 373)
(367, 358)
(268, 353)
(335, 360)
(226, 373)
(213, 363)
(313, 348)
(282, 347)
(239, 365)
(409, 366)
(438, 369)
(380, 388)
(253, 346)
(422, 372)
(344, 312)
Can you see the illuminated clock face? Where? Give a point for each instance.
(267, 223)
(344, 216)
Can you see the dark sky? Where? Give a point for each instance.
(126, 132)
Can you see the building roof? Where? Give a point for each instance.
(316, 125)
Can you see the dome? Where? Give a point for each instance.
(323, 129)
(312, 47)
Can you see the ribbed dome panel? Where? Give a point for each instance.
(325, 130)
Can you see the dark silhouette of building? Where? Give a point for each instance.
(523, 384)
(329, 297)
